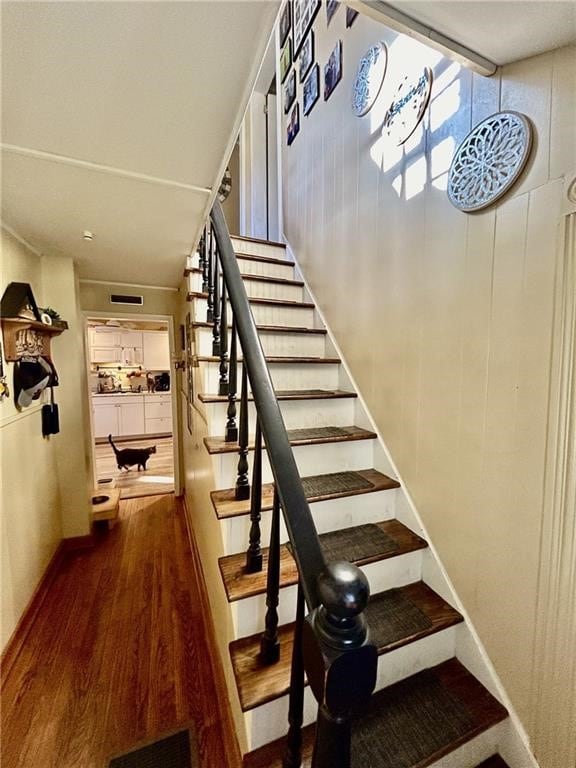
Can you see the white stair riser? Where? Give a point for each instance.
(269, 721)
(256, 289)
(296, 414)
(265, 314)
(258, 249)
(248, 614)
(311, 460)
(250, 267)
(285, 376)
(331, 515)
(273, 344)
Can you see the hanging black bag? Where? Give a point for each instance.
(50, 417)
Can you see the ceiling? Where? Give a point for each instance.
(118, 118)
(500, 31)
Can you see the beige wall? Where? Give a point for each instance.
(445, 320)
(95, 297)
(199, 482)
(44, 482)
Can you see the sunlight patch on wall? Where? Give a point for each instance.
(444, 106)
(415, 178)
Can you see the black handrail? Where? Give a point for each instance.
(338, 658)
(297, 516)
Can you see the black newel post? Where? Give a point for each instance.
(269, 644)
(254, 553)
(204, 262)
(231, 428)
(339, 661)
(242, 483)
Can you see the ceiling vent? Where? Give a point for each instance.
(119, 298)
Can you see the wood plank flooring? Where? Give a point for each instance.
(156, 479)
(119, 652)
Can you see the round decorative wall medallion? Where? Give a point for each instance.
(369, 79)
(225, 186)
(489, 160)
(408, 107)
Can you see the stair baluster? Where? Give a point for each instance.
(293, 754)
(242, 482)
(216, 337)
(269, 643)
(231, 428)
(223, 385)
(204, 260)
(254, 553)
(211, 260)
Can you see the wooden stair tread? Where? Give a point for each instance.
(226, 505)
(483, 709)
(258, 241)
(493, 762)
(264, 259)
(271, 328)
(258, 683)
(278, 359)
(311, 436)
(289, 394)
(239, 585)
(254, 300)
(257, 278)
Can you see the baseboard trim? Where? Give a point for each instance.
(14, 645)
(232, 746)
(25, 623)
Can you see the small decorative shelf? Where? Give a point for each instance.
(25, 336)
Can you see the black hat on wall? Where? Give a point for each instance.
(31, 377)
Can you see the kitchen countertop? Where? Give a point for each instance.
(127, 393)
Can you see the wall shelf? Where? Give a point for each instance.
(28, 337)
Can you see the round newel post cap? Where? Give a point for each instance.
(343, 589)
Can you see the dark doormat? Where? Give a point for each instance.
(178, 750)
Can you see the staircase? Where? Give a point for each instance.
(430, 707)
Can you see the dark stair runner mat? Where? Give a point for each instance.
(407, 722)
(360, 543)
(392, 617)
(174, 751)
(338, 482)
(317, 433)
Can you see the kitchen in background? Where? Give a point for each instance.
(131, 400)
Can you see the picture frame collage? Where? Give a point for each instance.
(298, 62)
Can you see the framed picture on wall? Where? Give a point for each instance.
(331, 8)
(306, 56)
(350, 16)
(311, 90)
(293, 125)
(333, 70)
(290, 92)
(304, 12)
(285, 23)
(285, 60)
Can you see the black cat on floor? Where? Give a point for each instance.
(128, 457)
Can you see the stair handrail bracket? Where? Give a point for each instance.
(339, 659)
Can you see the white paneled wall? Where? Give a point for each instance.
(445, 319)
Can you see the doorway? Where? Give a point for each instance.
(132, 405)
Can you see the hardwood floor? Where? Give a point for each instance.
(118, 653)
(156, 479)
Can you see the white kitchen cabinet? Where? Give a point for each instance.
(156, 350)
(105, 337)
(106, 355)
(158, 413)
(131, 344)
(119, 416)
(106, 419)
